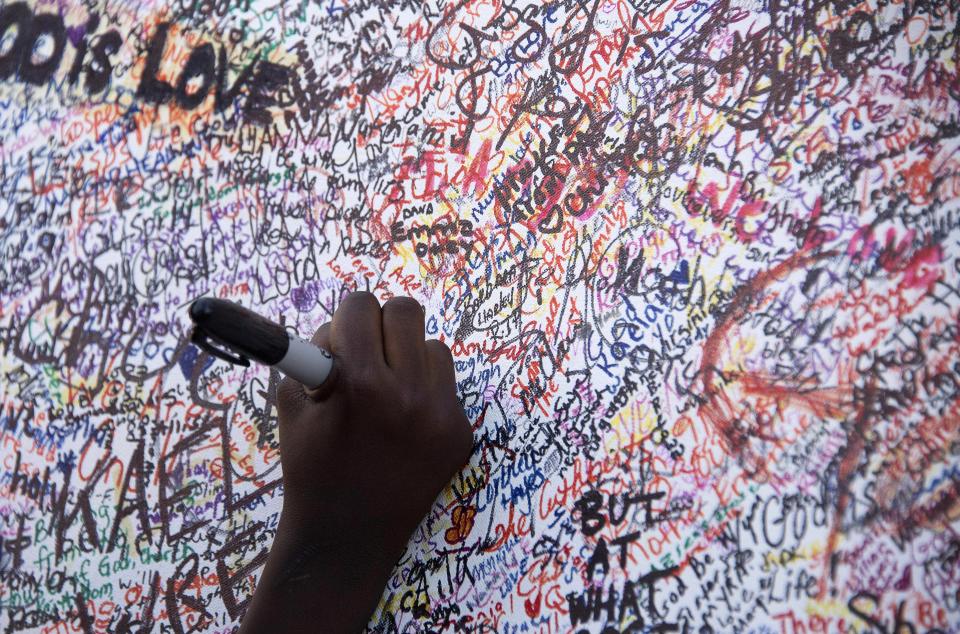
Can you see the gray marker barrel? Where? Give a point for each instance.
(306, 363)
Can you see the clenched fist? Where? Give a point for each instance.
(364, 456)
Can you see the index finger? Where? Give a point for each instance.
(356, 333)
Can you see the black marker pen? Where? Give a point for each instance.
(251, 336)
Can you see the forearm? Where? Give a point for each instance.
(315, 584)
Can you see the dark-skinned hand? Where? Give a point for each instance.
(364, 457)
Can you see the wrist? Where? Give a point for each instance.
(320, 579)
(306, 551)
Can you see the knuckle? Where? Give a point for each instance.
(408, 405)
(367, 384)
(412, 400)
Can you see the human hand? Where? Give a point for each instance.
(363, 458)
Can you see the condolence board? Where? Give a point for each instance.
(698, 263)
